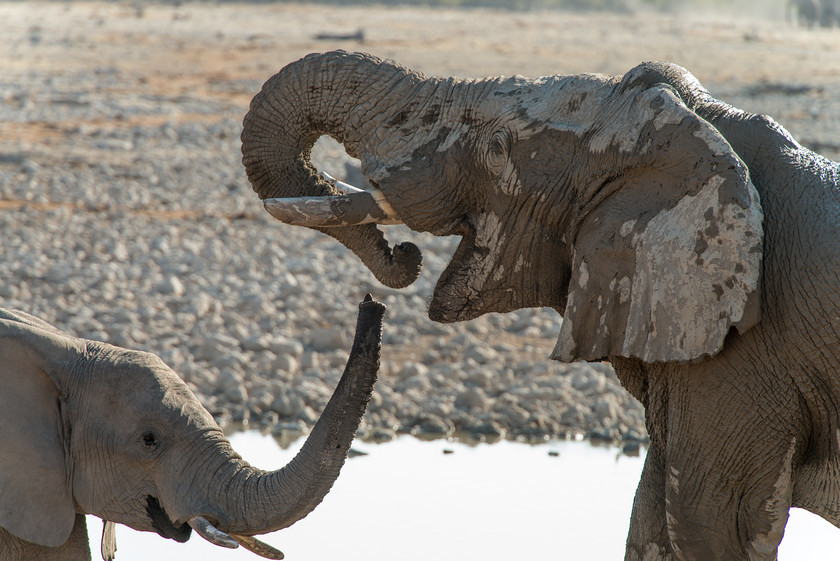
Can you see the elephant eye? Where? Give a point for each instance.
(149, 440)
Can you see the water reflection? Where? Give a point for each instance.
(411, 500)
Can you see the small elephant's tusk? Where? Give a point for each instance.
(361, 207)
(262, 549)
(206, 530)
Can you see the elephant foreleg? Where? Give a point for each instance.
(728, 470)
(648, 539)
(711, 518)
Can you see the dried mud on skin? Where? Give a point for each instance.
(127, 217)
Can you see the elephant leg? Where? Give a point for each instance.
(711, 518)
(728, 471)
(648, 539)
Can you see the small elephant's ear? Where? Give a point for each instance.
(667, 258)
(36, 501)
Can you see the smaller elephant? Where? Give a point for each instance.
(89, 428)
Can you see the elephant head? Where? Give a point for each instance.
(605, 198)
(89, 428)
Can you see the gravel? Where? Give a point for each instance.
(126, 217)
(149, 237)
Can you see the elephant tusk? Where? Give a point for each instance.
(206, 530)
(345, 188)
(353, 206)
(262, 549)
(378, 195)
(363, 207)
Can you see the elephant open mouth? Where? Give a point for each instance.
(163, 525)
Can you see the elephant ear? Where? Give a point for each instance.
(667, 256)
(36, 503)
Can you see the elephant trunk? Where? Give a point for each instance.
(250, 501)
(340, 95)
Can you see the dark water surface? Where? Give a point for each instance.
(409, 500)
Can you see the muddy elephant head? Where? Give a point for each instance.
(604, 198)
(88, 428)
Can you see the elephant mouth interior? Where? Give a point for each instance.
(163, 525)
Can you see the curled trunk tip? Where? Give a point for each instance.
(321, 95)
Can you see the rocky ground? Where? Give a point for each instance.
(126, 215)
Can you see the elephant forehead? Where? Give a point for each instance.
(431, 117)
(188, 409)
(174, 395)
(138, 381)
(564, 103)
(623, 126)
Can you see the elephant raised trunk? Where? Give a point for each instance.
(249, 501)
(339, 95)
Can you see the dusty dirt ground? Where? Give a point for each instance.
(218, 50)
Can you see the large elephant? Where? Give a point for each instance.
(88, 428)
(691, 244)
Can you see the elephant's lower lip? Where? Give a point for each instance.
(437, 312)
(446, 313)
(163, 525)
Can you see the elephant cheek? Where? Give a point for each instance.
(501, 273)
(454, 295)
(163, 525)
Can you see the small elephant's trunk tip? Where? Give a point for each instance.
(371, 308)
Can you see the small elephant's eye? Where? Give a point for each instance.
(149, 440)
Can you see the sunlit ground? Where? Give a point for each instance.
(408, 501)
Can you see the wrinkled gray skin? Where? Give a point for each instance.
(88, 428)
(691, 244)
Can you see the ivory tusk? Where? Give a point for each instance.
(361, 207)
(206, 530)
(262, 549)
(345, 188)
